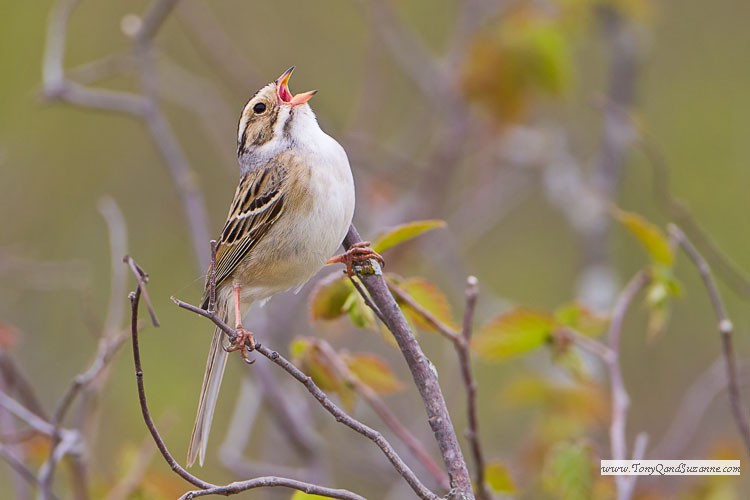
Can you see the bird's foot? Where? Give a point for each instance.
(357, 254)
(244, 342)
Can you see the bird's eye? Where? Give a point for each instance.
(259, 108)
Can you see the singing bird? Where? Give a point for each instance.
(290, 212)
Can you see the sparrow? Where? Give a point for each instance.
(291, 211)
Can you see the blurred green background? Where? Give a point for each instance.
(58, 161)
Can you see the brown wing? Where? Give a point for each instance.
(257, 205)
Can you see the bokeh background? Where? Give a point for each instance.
(518, 123)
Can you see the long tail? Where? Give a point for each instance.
(217, 361)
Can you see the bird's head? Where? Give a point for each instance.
(272, 119)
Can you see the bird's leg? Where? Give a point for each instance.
(245, 341)
(357, 253)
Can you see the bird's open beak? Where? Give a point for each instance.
(285, 96)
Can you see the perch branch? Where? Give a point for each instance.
(325, 401)
(424, 375)
(205, 487)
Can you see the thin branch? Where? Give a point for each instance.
(464, 359)
(27, 416)
(595, 347)
(142, 279)
(424, 375)
(58, 86)
(269, 481)
(382, 410)
(620, 398)
(725, 328)
(339, 414)
(206, 488)
(366, 297)
(407, 299)
(154, 19)
(20, 468)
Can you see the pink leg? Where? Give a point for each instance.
(245, 341)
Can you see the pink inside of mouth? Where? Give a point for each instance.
(284, 93)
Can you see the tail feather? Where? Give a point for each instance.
(217, 361)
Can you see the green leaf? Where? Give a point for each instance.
(431, 298)
(568, 471)
(329, 296)
(499, 478)
(374, 372)
(514, 333)
(359, 313)
(581, 319)
(404, 232)
(651, 237)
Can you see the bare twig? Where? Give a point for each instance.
(366, 297)
(142, 278)
(28, 417)
(205, 487)
(445, 330)
(464, 359)
(599, 349)
(620, 399)
(425, 377)
(20, 468)
(725, 327)
(325, 401)
(382, 410)
(58, 86)
(269, 481)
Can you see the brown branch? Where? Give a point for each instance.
(270, 481)
(207, 488)
(145, 107)
(461, 342)
(382, 410)
(725, 328)
(20, 468)
(339, 414)
(142, 279)
(427, 315)
(424, 375)
(620, 399)
(464, 359)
